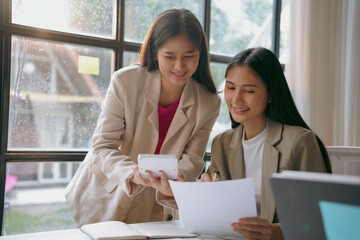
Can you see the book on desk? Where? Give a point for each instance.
(121, 230)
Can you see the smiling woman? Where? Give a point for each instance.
(268, 135)
(173, 74)
(247, 99)
(178, 60)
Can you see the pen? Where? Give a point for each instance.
(215, 176)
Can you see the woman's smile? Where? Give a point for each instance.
(240, 110)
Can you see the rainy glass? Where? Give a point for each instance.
(86, 17)
(239, 24)
(55, 94)
(140, 14)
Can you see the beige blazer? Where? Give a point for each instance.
(127, 126)
(285, 148)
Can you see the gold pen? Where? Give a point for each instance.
(215, 176)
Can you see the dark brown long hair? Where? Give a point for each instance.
(171, 23)
(282, 108)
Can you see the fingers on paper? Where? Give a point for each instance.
(253, 228)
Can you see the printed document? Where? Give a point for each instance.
(209, 208)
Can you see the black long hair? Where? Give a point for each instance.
(282, 107)
(171, 23)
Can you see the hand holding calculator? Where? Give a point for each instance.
(157, 162)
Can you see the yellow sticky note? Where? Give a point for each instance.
(88, 65)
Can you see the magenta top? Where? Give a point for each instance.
(166, 115)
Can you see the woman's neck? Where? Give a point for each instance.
(252, 130)
(169, 96)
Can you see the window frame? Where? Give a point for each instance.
(118, 45)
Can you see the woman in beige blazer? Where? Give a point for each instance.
(174, 67)
(268, 135)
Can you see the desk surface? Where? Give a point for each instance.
(71, 234)
(76, 234)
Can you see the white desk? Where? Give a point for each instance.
(71, 234)
(76, 234)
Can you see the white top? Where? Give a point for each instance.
(253, 155)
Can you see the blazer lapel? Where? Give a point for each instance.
(152, 95)
(269, 166)
(273, 137)
(180, 118)
(236, 162)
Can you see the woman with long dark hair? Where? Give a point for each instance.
(165, 105)
(268, 135)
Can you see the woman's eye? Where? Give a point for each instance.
(169, 57)
(249, 91)
(189, 56)
(230, 88)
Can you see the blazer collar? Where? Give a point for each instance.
(270, 165)
(153, 87)
(273, 132)
(236, 140)
(188, 96)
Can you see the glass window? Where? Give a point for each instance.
(2, 7)
(130, 58)
(239, 24)
(34, 197)
(140, 14)
(86, 17)
(223, 121)
(284, 32)
(55, 93)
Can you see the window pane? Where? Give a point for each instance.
(55, 94)
(223, 121)
(34, 197)
(130, 58)
(87, 17)
(239, 24)
(2, 11)
(284, 31)
(140, 14)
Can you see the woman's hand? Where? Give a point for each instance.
(161, 184)
(257, 228)
(206, 177)
(138, 178)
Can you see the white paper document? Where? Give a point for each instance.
(208, 208)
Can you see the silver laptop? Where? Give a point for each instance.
(297, 196)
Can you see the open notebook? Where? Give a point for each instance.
(121, 230)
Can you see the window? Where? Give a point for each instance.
(58, 57)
